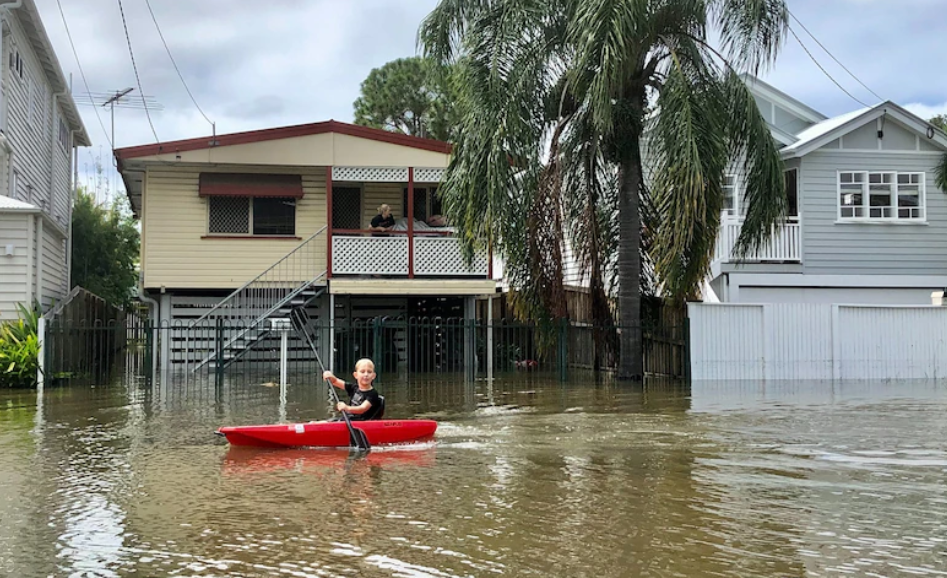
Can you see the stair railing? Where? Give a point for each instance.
(256, 299)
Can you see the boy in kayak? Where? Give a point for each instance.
(364, 403)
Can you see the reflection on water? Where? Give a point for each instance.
(526, 477)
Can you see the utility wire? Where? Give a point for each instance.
(155, 20)
(137, 77)
(82, 73)
(824, 71)
(833, 57)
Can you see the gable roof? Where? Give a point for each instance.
(770, 92)
(29, 18)
(828, 130)
(253, 136)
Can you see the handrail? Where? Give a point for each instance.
(233, 296)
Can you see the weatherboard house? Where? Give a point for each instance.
(248, 227)
(40, 129)
(867, 223)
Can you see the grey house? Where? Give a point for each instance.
(867, 224)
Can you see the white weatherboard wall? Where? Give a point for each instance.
(800, 341)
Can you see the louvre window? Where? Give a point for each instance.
(268, 216)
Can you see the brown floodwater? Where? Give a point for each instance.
(526, 477)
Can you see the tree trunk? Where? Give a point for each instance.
(631, 362)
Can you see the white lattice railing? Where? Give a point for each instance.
(442, 256)
(784, 245)
(387, 174)
(433, 256)
(370, 255)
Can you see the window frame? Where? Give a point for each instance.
(894, 192)
(250, 234)
(735, 212)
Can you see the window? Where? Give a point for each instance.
(882, 195)
(264, 216)
(426, 202)
(63, 135)
(346, 208)
(790, 177)
(730, 196)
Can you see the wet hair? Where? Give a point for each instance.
(363, 361)
(383, 208)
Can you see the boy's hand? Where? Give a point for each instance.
(327, 375)
(340, 406)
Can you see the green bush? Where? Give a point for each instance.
(19, 350)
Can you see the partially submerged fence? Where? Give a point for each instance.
(401, 348)
(802, 341)
(82, 336)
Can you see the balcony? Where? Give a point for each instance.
(785, 246)
(396, 254)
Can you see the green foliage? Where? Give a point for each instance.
(410, 96)
(19, 349)
(105, 244)
(940, 121)
(557, 139)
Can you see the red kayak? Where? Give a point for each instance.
(333, 434)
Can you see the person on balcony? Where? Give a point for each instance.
(384, 221)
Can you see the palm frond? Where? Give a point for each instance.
(752, 31)
(752, 144)
(940, 174)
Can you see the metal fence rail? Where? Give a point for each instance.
(402, 348)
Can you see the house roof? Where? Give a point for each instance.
(9, 205)
(828, 130)
(254, 136)
(29, 17)
(782, 99)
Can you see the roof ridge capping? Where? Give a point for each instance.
(291, 131)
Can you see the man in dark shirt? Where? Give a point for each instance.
(364, 403)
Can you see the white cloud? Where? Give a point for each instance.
(927, 111)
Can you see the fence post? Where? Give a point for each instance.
(377, 354)
(149, 357)
(687, 349)
(41, 356)
(563, 349)
(219, 353)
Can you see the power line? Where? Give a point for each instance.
(82, 73)
(135, 68)
(155, 20)
(824, 71)
(833, 57)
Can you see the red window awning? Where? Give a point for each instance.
(250, 185)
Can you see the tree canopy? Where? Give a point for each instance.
(410, 96)
(940, 121)
(610, 124)
(105, 244)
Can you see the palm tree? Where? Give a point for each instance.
(563, 104)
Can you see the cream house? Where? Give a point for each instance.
(40, 129)
(248, 226)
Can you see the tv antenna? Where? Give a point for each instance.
(117, 98)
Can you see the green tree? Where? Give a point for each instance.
(940, 121)
(556, 100)
(105, 245)
(408, 95)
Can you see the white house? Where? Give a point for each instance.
(40, 129)
(867, 223)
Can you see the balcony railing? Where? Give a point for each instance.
(435, 255)
(784, 246)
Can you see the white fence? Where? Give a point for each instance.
(801, 341)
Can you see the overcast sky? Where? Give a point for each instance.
(253, 65)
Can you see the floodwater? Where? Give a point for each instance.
(527, 477)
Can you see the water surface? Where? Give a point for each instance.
(527, 477)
